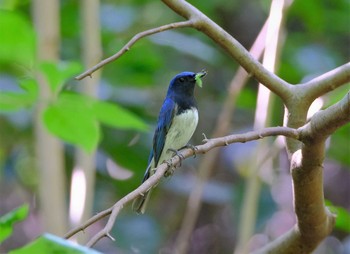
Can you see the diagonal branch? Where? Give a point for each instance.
(198, 20)
(161, 169)
(326, 82)
(301, 165)
(207, 163)
(307, 175)
(187, 23)
(231, 46)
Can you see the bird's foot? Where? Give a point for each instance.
(181, 157)
(170, 170)
(193, 148)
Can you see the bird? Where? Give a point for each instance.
(177, 121)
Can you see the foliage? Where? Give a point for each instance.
(17, 40)
(75, 118)
(48, 243)
(8, 220)
(131, 92)
(13, 101)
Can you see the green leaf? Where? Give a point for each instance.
(30, 86)
(342, 221)
(57, 74)
(48, 243)
(70, 118)
(11, 101)
(75, 118)
(17, 44)
(8, 220)
(113, 115)
(14, 101)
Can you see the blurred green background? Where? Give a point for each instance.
(317, 40)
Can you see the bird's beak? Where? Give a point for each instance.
(198, 77)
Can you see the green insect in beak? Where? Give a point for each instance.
(198, 77)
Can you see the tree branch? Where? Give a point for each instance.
(207, 163)
(326, 82)
(304, 94)
(325, 122)
(314, 221)
(307, 157)
(161, 169)
(202, 23)
(134, 39)
(198, 20)
(308, 190)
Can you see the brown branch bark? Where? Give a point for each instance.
(306, 172)
(314, 221)
(207, 162)
(308, 190)
(326, 82)
(297, 105)
(325, 122)
(186, 153)
(202, 23)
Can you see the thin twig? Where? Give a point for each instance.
(187, 23)
(89, 222)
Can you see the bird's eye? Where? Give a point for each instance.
(181, 80)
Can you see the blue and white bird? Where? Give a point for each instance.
(177, 121)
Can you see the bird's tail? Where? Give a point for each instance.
(140, 203)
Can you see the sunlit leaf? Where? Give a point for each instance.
(75, 118)
(48, 243)
(57, 74)
(8, 220)
(113, 115)
(30, 86)
(70, 119)
(12, 101)
(17, 44)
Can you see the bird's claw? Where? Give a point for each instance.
(181, 157)
(170, 170)
(193, 148)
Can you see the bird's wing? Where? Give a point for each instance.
(165, 119)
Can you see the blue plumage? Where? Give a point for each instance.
(177, 122)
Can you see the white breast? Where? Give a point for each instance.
(180, 132)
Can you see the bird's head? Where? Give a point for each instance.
(185, 82)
